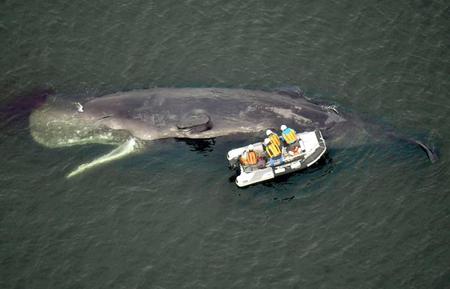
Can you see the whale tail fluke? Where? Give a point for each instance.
(127, 148)
(430, 151)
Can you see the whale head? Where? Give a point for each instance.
(61, 124)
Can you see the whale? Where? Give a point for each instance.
(129, 120)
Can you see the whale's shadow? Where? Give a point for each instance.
(198, 145)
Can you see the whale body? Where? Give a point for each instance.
(127, 119)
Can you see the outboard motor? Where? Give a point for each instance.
(233, 163)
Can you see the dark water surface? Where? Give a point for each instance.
(170, 217)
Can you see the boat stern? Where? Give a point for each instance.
(253, 177)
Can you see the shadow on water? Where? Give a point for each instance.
(210, 144)
(17, 111)
(202, 146)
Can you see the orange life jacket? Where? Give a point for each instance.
(250, 160)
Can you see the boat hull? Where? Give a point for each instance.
(314, 148)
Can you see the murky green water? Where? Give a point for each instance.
(372, 217)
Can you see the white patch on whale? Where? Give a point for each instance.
(288, 113)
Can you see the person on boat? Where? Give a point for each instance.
(273, 137)
(290, 138)
(273, 152)
(249, 157)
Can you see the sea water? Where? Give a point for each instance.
(170, 215)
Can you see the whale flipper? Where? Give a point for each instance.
(292, 91)
(128, 147)
(195, 122)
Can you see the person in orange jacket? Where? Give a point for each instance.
(249, 157)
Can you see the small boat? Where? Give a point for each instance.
(312, 148)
